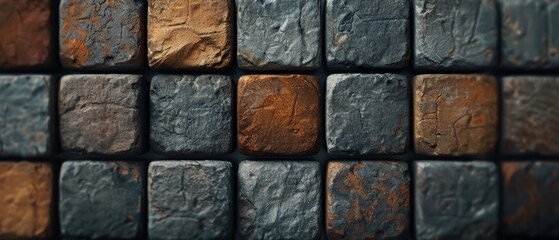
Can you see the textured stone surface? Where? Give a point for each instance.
(455, 114)
(278, 114)
(195, 34)
(530, 37)
(25, 200)
(367, 34)
(278, 35)
(100, 114)
(367, 200)
(26, 38)
(191, 114)
(459, 34)
(367, 114)
(190, 200)
(25, 119)
(100, 34)
(101, 199)
(530, 115)
(456, 200)
(279, 200)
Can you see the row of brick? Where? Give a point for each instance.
(282, 35)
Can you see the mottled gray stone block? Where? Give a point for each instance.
(459, 35)
(530, 33)
(190, 200)
(456, 200)
(25, 120)
(367, 114)
(101, 199)
(279, 200)
(278, 35)
(191, 114)
(367, 34)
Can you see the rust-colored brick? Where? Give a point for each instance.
(455, 114)
(278, 114)
(25, 200)
(26, 33)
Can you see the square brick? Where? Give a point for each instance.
(458, 35)
(194, 34)
(456, 200)
(530, 115)
(101, 199)
(531, 199)
(367, 200)
(26, 39)
(278, 114)
(367, 114)
(278, 35)
(455, 114)
(25, 115)
(367, 34)
(100, 34)
(279, 200)
(25, 200)
(191, 114)
(190, 200)
(101, 114)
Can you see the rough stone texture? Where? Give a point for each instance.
(530, 115)
(455, 114)
(278, 114)
(529, 33)
(456, 200)
(101, 199)
(278, 35)
(100, 34)
(531, 194)
(190, 200)
(25, 200)
(367, 200)
(279, 200)
(367, 34)
(25, 119)
(100, 114)
(191, 114)
(459, 34)
(26, 34)
(367, 114)
(194, 34)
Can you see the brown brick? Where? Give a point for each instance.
(278, 114)
(455, 114)
(25, 200)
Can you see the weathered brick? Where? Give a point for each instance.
(364, 34)
(190, 200)
(456, 200)
(192, 34)
(100, 34)
(100, 114)
(278, 114)
(279, 200)
(531, 199)
(191, 114)
(367, 114)
(455, 114)
(26, 38)
(367, 200)
(278, 35)
(25, 200)
(530, 115)
(101, 199)
(458, 34)
(25, 118)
